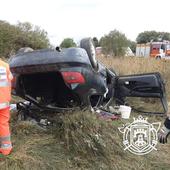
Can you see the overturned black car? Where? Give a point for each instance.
(62, 80)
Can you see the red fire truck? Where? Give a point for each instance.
(156, 50)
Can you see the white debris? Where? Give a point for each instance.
(13, 107)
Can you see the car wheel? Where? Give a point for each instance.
(158, 57)
(87, 44)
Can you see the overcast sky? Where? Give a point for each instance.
(88, 18)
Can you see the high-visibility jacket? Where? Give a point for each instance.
(5, 85)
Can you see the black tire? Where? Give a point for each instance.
(158, 57)
(88, 45)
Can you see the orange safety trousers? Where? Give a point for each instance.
(5, 141)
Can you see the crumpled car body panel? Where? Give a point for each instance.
(66, 79)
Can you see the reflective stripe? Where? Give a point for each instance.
(5, 138)
(4, 105)
(6, 145)
(2, 69)
(4, 84)
(3, 77)
(2, 74)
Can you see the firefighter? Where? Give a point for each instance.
(164, 131)
(5, 97)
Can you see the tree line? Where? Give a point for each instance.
(115, 42)
(14, 37)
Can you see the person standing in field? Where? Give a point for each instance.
(5, 97)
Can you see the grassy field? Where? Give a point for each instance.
(81, 140)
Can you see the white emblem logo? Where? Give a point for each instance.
(140, 137)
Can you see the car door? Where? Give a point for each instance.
(149, 85)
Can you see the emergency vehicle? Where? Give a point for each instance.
(156, 50)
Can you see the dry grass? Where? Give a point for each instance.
(135, 65)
